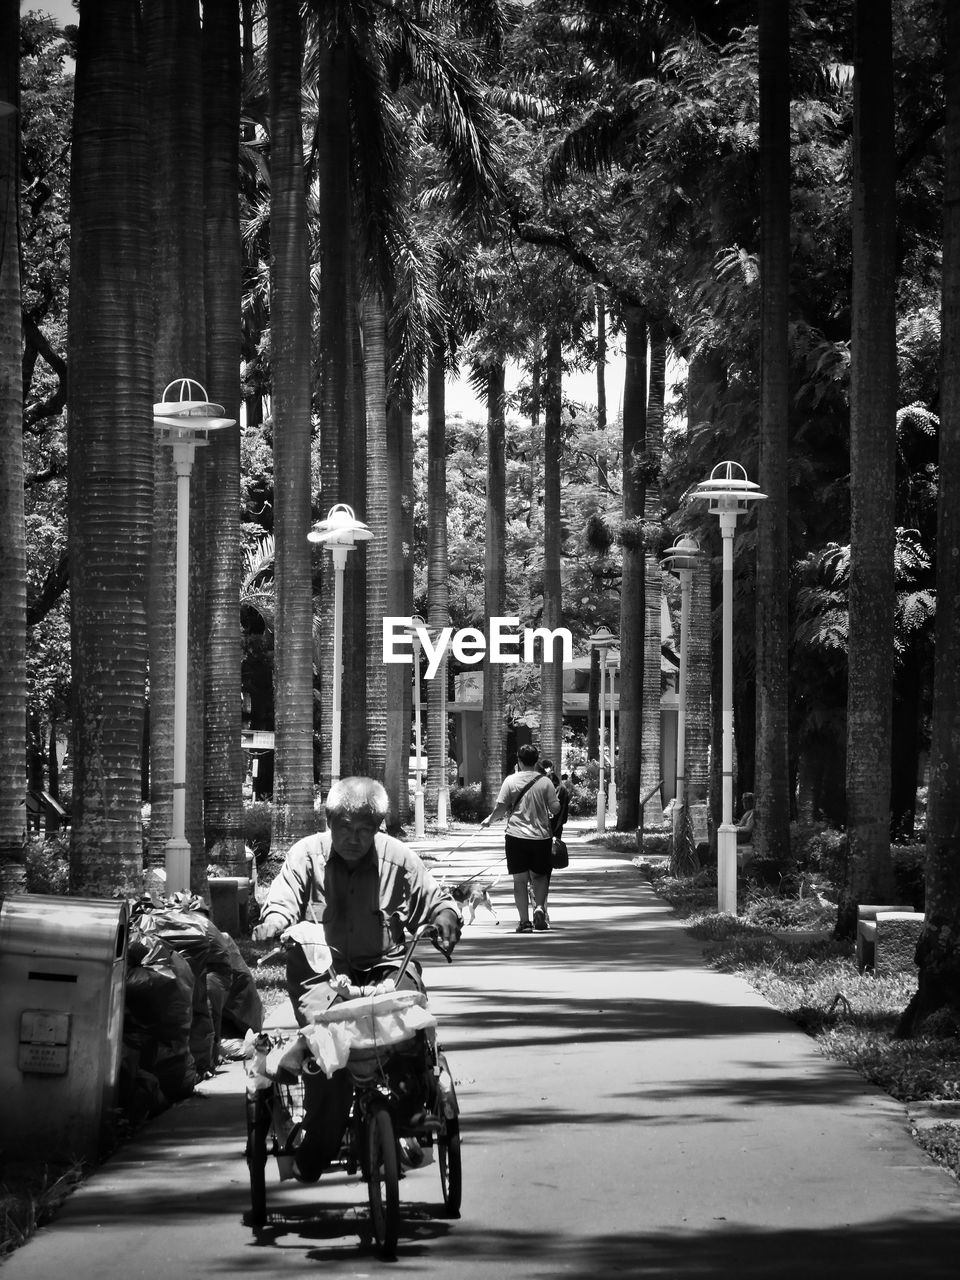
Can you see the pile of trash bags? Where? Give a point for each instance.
(190, 1000)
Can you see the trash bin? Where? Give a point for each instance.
(62, 974)
(229, 903)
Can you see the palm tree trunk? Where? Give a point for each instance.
(398, 677)
(651, 772)
(551, 677)
(293, 812)
(172, 41)
(438, 574)
(407, 502)
(772, 781)
(353, 472)
(223, 753)
(111, 447)
(633, 592)
(493, 741)
(873, 406)
(705, 378)
(337, 483)
(378, 518)
(13, 567)
(938, 953)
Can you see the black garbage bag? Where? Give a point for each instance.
(159, 1013)
(242, 1008)
(193, 936)
(224, 983)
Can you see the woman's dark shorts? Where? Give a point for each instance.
(528, 855)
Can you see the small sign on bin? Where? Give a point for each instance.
(44, 1042)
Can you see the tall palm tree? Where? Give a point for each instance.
(376, 67)
(633, 590)
(172, 45)
(13, 568)
(438, 576)
(873, 413)
(702, 379)
(385, 538)
(111, 448)
(398, 603)
(339, 478)
(772, 782)
(493, 732)
(293, 813)
(551, 717)
(938, 953)
(223, 754)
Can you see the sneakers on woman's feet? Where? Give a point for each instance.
(540, 921)
(524, 927)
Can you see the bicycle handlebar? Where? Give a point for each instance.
(425, 931)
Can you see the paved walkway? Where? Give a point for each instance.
(625, 1112)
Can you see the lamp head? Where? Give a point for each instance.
(727, 490)
(602, 639)
(341, 528)
(684, 554)
(187, 414)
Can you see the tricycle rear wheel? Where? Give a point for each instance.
(448, 1159)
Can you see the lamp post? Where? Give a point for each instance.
(183, 423)
(601, 640)
(611, 661)
(339, 533)
(729, 493)
(682, 559)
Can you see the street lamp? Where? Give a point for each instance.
(611, 663)
(682, 559)
(184, 421)
(601, 640)
(729, 493)
(339, 532)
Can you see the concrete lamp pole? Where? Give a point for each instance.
(339, 533)
(682, 558)
(729, 493)
(611, 661)
(601, 640)
(184, 420)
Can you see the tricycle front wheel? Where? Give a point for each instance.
(258, 1127)
(383, 1179)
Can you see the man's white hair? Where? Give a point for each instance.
(349, 796)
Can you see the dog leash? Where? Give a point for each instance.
(453, 848)
(476, 875)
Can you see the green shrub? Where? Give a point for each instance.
(258, 826)
(47, 863)
(657, 844)
(465, 803)
(583, 796)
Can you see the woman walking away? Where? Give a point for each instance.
(529, 800)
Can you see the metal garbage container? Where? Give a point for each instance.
(62, 974)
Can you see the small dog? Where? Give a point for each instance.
(472, 895)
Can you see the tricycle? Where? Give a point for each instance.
(404, 1108)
